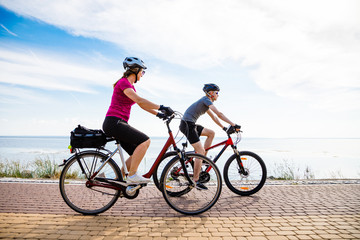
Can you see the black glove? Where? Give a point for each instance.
(230, 130)
(161, 115)
(233, 129)
(167, 110)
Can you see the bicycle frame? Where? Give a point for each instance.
(228, 142)
(170, 142)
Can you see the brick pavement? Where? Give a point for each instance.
(37, 211)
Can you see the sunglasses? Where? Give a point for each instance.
(142, 73)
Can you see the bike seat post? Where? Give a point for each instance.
(184, 146)
(122, 158)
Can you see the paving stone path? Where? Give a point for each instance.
(326, 211)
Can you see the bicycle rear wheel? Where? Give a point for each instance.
(249, 182)
(182, 195)
(76, 190)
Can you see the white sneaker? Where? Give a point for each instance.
(137, 179)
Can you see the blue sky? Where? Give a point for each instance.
(284, 69)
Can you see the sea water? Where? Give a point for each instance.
(324, 158)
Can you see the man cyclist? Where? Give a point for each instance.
(193, 131)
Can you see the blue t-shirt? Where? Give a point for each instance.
(197, 109)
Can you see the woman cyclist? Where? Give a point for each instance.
(193, 131)
(134, 142)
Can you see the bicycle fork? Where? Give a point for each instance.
(182, 156)
(242, 169)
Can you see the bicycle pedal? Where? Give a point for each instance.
(135, 184)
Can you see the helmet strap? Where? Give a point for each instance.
(209, 95)
(136, 75)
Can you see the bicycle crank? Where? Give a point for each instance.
(204, 177)
(132, 192)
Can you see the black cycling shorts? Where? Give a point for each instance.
(128, 136)
(191, 130)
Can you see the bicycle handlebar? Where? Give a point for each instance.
(233, 129)
(168, 120)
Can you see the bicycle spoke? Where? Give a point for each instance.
(160, 167)
(76, 190)
(248, 182)
(183, 196)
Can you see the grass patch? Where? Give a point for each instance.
(12, 169)
(40, 168)
(336, 174)
(45, 168)
(287, 170)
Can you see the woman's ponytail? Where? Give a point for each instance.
(127, 73)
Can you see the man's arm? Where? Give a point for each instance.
(214, 118)
(220, 115)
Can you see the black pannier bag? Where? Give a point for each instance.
(82, 137)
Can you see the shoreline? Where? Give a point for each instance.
(268, 182)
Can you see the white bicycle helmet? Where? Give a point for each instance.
(133, 62)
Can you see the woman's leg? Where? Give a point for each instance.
(128, 164)
(134, 142)
(134, 161)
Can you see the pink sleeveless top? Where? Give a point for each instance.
(120, 104)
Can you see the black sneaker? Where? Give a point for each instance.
(200, 186)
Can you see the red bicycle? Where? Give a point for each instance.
(91, 181)
(244, 172)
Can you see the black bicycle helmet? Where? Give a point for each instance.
(210, 87)
(133, 62)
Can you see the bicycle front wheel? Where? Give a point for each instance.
(75, 189)
(182, 195)
(160, 167)
(246, 182)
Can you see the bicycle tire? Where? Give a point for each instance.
(160, 167)
(241, 184)
(181, 195)
(88, 200)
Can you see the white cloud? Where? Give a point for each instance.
(165, 85)
(8, 31)
(306, 49)
(48, 71)
(17, 95)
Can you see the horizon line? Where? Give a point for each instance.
(63, 136)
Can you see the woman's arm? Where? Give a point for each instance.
(142, 102)
(152, 111)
